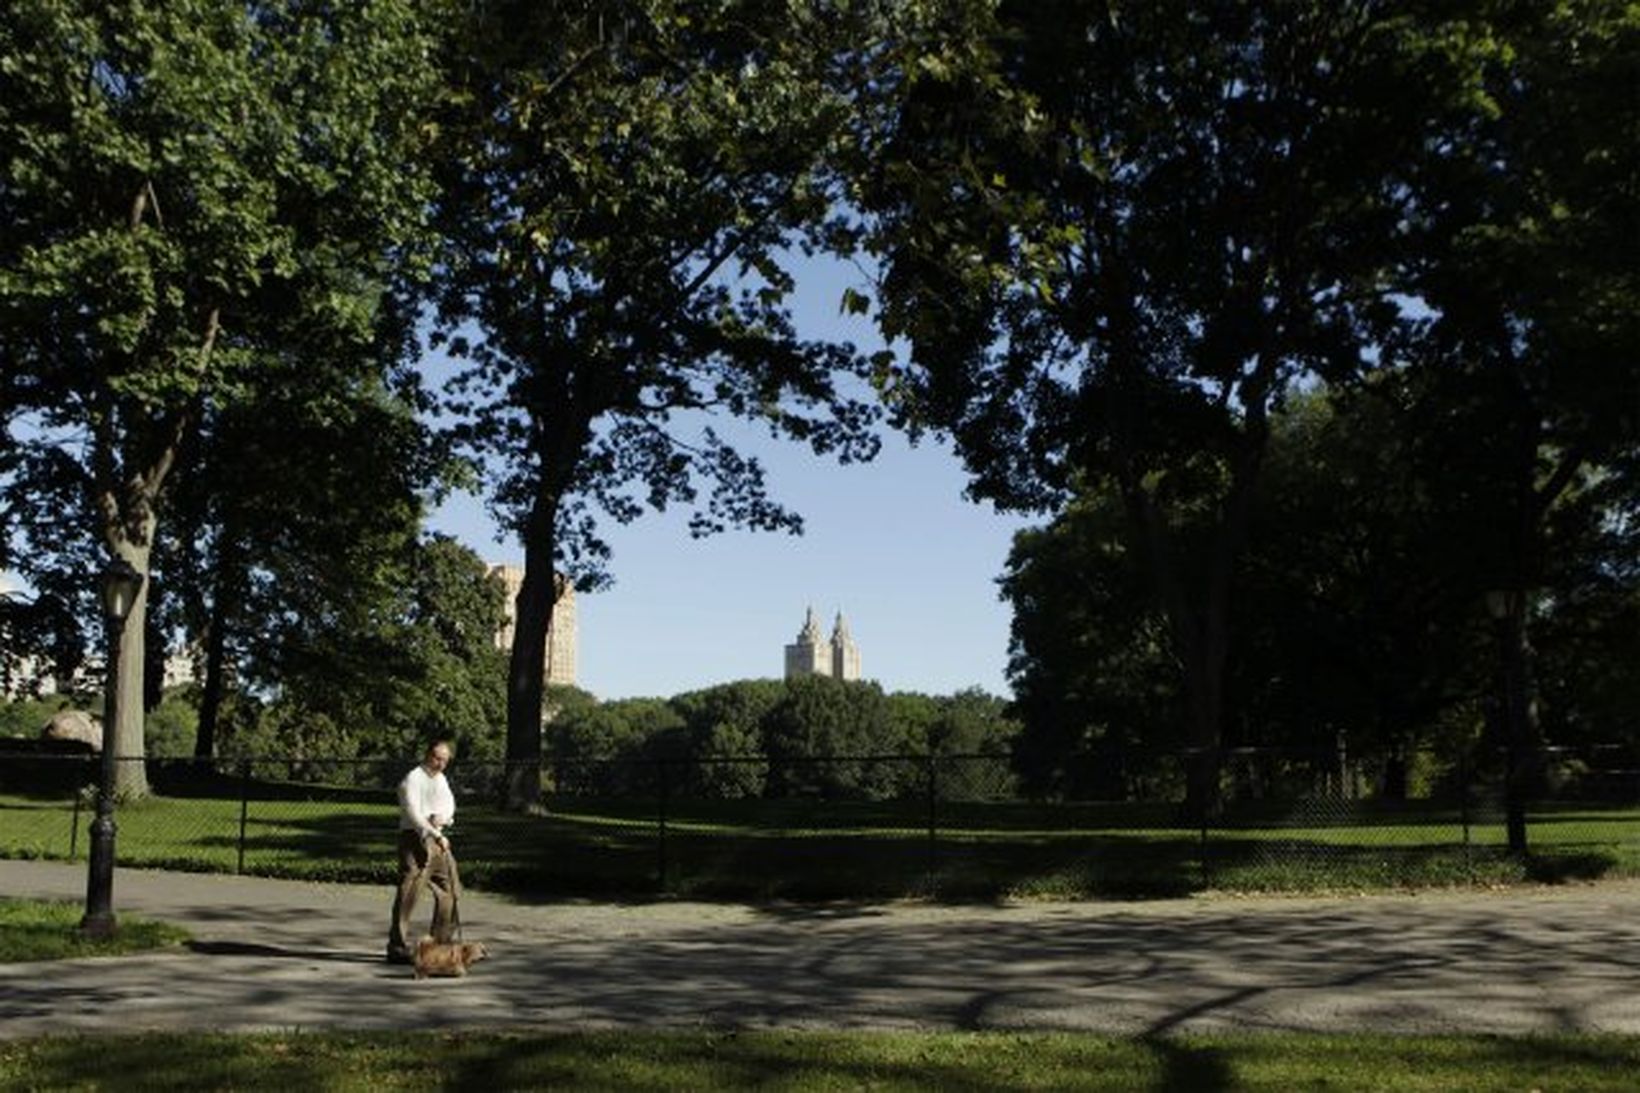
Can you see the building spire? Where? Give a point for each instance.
(845, 655)
(810, 634)
(839, 632)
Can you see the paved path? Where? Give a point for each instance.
(283, 954)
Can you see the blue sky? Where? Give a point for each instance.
(892, 544)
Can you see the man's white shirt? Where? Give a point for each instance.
(422, 795)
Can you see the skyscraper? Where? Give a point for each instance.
(561, 637)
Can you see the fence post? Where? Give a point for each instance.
(244, 808)
(933, 824)
(1463, 812)
(664, 792)
(1206, 818)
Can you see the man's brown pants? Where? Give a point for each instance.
(423, 863)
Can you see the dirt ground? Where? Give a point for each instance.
(284, 954)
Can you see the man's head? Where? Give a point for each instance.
(438, 756)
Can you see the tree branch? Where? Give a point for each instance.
(1545, 495)
(140, 203)
(184, 418)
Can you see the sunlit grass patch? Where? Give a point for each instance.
(809, 1060)
(47, 930)
(592, 847)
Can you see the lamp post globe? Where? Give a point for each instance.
(121, 585)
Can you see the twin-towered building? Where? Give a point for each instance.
(838, 658)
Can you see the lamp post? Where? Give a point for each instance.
(121, 584)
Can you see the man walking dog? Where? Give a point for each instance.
(427, 808)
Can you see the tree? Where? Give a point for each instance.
(299, 519)
(1358, 599)
(25, 717)
(1360, 627)
(594, 751)
(1354, 599)
(916, 719)
(188, 187)
(1534, 308)
(172, 725)
(974, 723)
(622, 194)
(1118, 236)
(454, 676)
(725, 726)
(741, 705)
(1588, 630)
(839, 722)
(1092, 674)
(417, 665)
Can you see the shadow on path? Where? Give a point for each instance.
(281, 954)
(245, 948)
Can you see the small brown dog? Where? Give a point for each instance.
(447, 958)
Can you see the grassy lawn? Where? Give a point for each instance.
(40, 930)
(604, 848)
(820, 1061)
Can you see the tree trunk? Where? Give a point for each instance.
(1395, 774)
(127, 641)
(1204, 692)
(526, 670)
(227, 573)
(1200, 629)
(1199, 618)
(210, 700)
(130, 515)
(1527, 507)
(1518, 711)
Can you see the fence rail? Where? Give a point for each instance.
(886, 826)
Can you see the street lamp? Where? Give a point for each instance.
(121, 584)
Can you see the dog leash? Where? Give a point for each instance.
(455, 906)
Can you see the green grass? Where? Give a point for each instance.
(819, 1061)
(40, 930)
(752, 850)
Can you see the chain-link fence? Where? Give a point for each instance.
(885, 826)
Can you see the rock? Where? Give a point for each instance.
(73, 725)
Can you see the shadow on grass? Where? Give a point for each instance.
(1191, 1066)
(1559, 868)
(541, 860)
(815, 851)
(36, 802)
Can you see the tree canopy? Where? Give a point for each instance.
(1119, 238)
(188, 191)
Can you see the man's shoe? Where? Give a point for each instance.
(398, 956)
